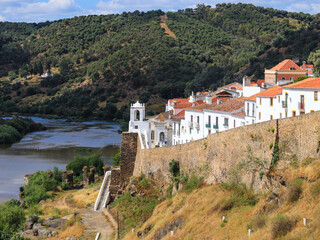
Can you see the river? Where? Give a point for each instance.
(54, 147)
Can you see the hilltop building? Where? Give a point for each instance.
(231, 106)
(285, 72)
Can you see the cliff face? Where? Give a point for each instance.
(242, 154)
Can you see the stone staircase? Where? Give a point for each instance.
(104, 193)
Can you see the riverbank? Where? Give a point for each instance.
(14, 129)
(56, 146)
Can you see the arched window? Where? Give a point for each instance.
(152, 135)
(137, 115)
(162, 137)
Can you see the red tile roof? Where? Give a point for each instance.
(310, 83)
(260, 82)
(229, 106)
(285, 65)
(270, 92)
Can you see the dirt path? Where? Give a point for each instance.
(163, 24)
(96, 222)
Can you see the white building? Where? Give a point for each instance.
(200, 121)
(301, 97)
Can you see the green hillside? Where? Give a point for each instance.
(101, 63)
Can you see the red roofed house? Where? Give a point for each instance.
(285, 72)
(308, 68)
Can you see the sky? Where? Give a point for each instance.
(43, 10)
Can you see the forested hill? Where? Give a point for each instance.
(101, 63)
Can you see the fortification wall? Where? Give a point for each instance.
(241, 154)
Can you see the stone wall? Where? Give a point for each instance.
(241, 154)
(128, 156)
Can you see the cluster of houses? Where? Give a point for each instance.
(277, 96)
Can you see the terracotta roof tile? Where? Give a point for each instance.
(310, 83)
(285, 65)
(270, 92)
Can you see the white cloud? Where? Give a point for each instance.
(312, 8)
(40, 11)
(2, 18)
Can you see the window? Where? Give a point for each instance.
(198, 119)
(152, 135)
(301, 101)
(302, 112)
(283, 78)
(234, 123)
(136, 115)
(316, 95)
(271, 117)
(271, 102)
(253, 109)
(286, 114)
(260, 101)
(161, 136)
(294, 113)
(259, 115)
(311, 110)
(217, 121)
(191, 118)
(278, 99)
(291, 68)
(280, 115)
(248, 109)
(226, 122)
(136, 127)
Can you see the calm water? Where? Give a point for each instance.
(54, 147)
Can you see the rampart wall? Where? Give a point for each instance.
(242, 154)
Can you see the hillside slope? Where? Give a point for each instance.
(276, 215)
(101, 63)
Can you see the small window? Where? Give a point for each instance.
(259, 115)
(278, 99)
(191, 118)
(271, 117)
(198, 119)
(271, 102)
(226, 122)
(294, 113)
(291, 68)
(152, 135)
(234, 123)
(311, 110)
(283, 78)
(280, 115)
(291, 78)
(316, 95)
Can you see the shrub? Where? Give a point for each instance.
(56, 174)
(116, 158)
(294, 190)
(259, 221)
(78, 162)
(174, 168)
(192, 183)
(281, 225)
(39, 184)
(9, 134)
(12, 218)
(241, 196)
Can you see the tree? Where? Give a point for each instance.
(12, 75)
(65, 66)
(116, 158)
(12, 218)
(314, 58)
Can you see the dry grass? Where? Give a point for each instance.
(76, 230)
(200, 211)
(84, 197)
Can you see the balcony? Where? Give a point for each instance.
(190, 124)
(284, 104)
(196, 125)
(301, 105)
(208, 125)
(215, 126)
